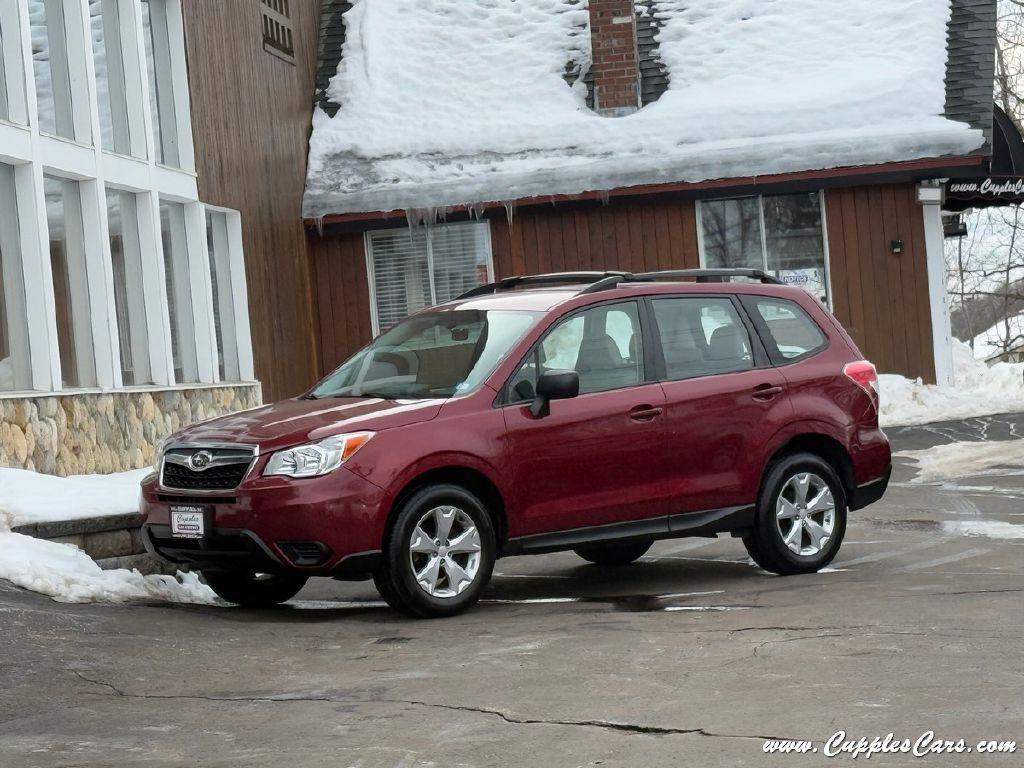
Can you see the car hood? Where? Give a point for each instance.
(294, 422)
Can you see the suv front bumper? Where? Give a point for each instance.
(330, 526)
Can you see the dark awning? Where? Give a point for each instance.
(1004, 184)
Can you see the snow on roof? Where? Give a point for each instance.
(449, 102)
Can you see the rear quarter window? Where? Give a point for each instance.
(790, 329)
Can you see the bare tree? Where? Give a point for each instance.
(986, 267)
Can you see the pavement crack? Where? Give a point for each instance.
(632, 728)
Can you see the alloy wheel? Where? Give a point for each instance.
(805, 514)
(444, 552)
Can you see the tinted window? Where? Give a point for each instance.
(602, 344)
(701, 337)
(793, 332)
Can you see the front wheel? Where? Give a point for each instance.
(614, 555)
(801, 516)
(439, 555)
(254, 590)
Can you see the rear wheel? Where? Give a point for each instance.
(255, 590)
(614, 554)
(439, 555)
(801, 516)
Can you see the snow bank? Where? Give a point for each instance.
(447, 102)
(68, 575)
(62, 571)
(29, 497)
(966, 459)
(978, 390)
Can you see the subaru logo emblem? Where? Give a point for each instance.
(200, 460)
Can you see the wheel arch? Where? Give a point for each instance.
(826, 447)
(472, 479)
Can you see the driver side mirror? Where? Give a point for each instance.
(554, 385)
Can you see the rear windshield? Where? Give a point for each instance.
(434, 354)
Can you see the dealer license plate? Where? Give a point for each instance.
(188, 521)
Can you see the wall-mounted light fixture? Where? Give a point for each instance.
(896, 246)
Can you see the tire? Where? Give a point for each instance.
(448, 582)
(251, 590)
(614, 555)
(775, 550)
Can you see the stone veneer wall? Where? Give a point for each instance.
(109, 432)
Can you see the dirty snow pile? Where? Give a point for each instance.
(62, 571)
(967, 459)
(448, 102)
(978, 390)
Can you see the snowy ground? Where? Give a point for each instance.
(979, 390)
(62, 571)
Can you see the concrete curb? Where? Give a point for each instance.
(113, 541)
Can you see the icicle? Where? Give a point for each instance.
(320, 225)
(510, 209)
(605, 196)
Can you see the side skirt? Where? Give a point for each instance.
(709, 523)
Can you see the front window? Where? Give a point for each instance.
(157, 39)
(105, 23)
(14, 369)
(50, 21)
(781, 234)
(436, 354)
(70, 286)
(179, 292)
(603, 345)
(414, 268)
(127, 264)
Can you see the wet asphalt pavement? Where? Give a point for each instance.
(690, 657)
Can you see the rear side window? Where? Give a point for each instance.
(795, 334)
(701, 337)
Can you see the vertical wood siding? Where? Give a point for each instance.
(251, 114)
(635, 237)
(881, 297)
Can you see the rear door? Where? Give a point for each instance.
(724, 400)
(597, 459)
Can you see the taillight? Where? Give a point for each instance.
(864, 375)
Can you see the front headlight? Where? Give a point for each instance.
(317, 459)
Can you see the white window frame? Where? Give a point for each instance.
(764, 235)
(33, 154)
(371, 274)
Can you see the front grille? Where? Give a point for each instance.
(222, 469)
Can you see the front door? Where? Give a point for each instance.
(724, 402)
(596, 459)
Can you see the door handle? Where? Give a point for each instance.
(767, 392)
(645, 413)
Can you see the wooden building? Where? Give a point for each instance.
(866, 237)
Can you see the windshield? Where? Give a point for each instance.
(435, 354)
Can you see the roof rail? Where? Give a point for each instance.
(555, 278)
(602, 281)
(707, 275)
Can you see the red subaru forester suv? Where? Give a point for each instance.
(593, 412)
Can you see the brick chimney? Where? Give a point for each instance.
(616, 64)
